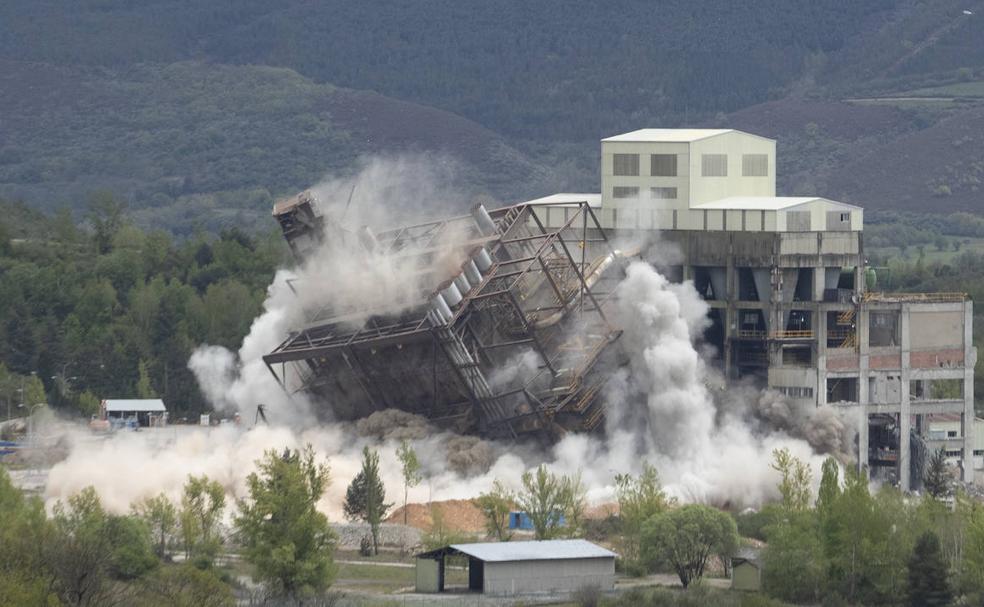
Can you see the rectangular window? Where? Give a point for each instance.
(663, 165)
(978, 452)
(796, 391)
(714, 165)
(845, 217)
(953, 453)
(625, 192)
(663, 193)
(951, 434)
(625, 165)
(754, 165)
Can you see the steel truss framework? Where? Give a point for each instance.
(515, 350)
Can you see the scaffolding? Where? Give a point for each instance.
(509, 341)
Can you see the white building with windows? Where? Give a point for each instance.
(788, 290)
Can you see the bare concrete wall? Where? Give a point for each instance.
(935, 329)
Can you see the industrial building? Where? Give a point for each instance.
(517, 568)
(135, 412)
(785, 278)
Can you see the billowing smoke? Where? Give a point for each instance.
(666, 405)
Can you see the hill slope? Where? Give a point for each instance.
(554, 69)
(195, 143)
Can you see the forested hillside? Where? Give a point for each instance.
(553, 69)
(116, 311)
(195, 145)
(199, 114)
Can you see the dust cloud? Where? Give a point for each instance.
(666, 406)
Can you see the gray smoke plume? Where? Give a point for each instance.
(666, 405)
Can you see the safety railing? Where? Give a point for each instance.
(797, 334)
(876, 297)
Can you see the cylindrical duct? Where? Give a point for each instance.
(451, 294)
(462, 283)
(441, 308)
(368, 239)
(831, 277)
(482, 259)
(790, 277)
(471, 272)
(485, 224)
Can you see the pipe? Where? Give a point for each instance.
(471, 272)
(589, 281)
(450, 293)
(441, 308)
(482, 259)
(462, 283)
(484, 221)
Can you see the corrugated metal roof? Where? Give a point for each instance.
(134, 404)
(534, 551)
(766, 203)
(593, 200)
(668, 135)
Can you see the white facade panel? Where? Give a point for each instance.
(549, 576)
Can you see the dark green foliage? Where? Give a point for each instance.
(133, 552)
(365, 497)
(937, 478)
(506, 64)
(285, 537)
(122, 322)
(683, 539)
(928, 585)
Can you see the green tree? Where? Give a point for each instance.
(928, 585)
(284, 536)
(937, 478)
(684, 538)
(23, 575)
(144, 387)
(184, 586)
(574, 497)
(5, 247)
(201, 510)
(106, 217)
(88, 403)
(410, 467)
(794, 565)
(495, 506)
(639, 499)
(829, 486)
(161, 517)
(365, 496)
(132, 547)
(78, 553)
(543, 501)
(795, 484)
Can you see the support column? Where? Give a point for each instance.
(905, 414)
(863, 395)
(967, 419)
(730, 313)
(821, 346)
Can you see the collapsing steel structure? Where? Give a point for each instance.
(505, 332)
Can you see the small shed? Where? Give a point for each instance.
(513, 568)
(746, 570)
(137, 411)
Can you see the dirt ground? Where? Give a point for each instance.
(459, 515)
